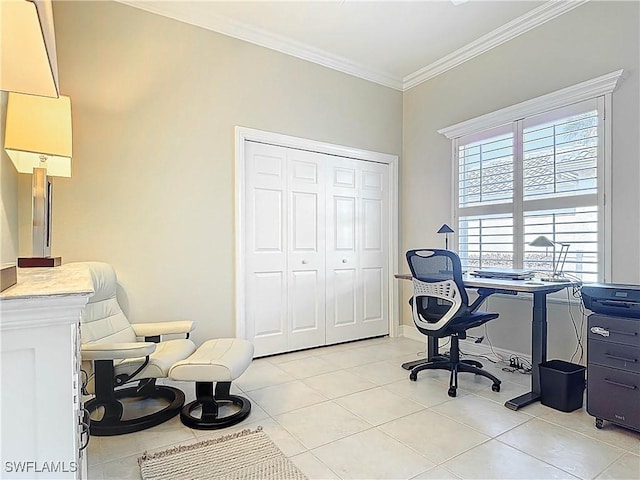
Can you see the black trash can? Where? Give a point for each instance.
(562, 385)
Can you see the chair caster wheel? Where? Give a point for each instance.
(495, 387)
(452, 392)
(413, 376)
(599, 423)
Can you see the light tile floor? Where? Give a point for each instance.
(350, 411)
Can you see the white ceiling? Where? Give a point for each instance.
(395, 43)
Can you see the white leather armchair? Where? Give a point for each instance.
(116, 352)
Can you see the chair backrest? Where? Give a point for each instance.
(439, 295)
(103, 320)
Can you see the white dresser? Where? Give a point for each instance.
(44, 434)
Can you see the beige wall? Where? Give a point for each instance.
(154, 103)
(592, 40)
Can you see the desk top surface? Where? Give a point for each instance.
(525, 286)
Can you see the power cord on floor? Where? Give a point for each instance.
(497, 357)
(517, 364)
(493, 352)
(478, 355)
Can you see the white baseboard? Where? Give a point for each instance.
(408, 331)
(467, 346)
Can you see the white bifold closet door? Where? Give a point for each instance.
(357, 254)
(316, 248)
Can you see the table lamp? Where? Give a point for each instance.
(558, 265)
(446, 229)
(38, 140)
(28, 61)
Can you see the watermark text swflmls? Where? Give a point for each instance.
(32, 466)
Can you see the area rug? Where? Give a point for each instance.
(249, 454)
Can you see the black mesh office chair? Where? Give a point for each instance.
(440, 308)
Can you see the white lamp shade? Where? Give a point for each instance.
(541, 241)
(28, 62)
(38, 128)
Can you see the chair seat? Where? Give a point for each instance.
(468, 321)
(167, 353)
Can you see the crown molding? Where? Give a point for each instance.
(502, 34)
(576, 93)
(264, 38)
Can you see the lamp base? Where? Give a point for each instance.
(29, 262)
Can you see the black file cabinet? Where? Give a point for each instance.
(613, 370)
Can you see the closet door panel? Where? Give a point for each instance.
(344, 225)
(272, 317)
(266, 275)
(345, 299)
(341, 263)
(372, 225)
(305, 219)
(373, 294)
(306, 253)
(269, 224)
(343, 277)
(357, 216)
(374, 250)
(304, 288)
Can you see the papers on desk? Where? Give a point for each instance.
(503, 273)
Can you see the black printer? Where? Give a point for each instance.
(612, 299)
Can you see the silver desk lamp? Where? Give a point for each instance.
(557, 265)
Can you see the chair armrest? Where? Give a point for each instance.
(484, 293)
(162, 328)
(113, 351)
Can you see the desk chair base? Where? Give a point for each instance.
(454, 364)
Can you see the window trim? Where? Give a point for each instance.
(589, 89)
(599, 88)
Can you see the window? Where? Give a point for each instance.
(536, 176)
(537, 168)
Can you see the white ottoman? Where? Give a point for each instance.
(221, 361)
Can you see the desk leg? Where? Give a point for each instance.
(538, 352)
(432, 350)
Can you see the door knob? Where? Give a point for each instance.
(344, 260)
(304, 262)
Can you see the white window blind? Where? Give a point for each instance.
(486, 170)
(486, 241)
(534, 176)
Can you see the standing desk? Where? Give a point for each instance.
(540, 290)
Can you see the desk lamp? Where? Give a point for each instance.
(38, 141)
(446, 229)
(558, 265)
